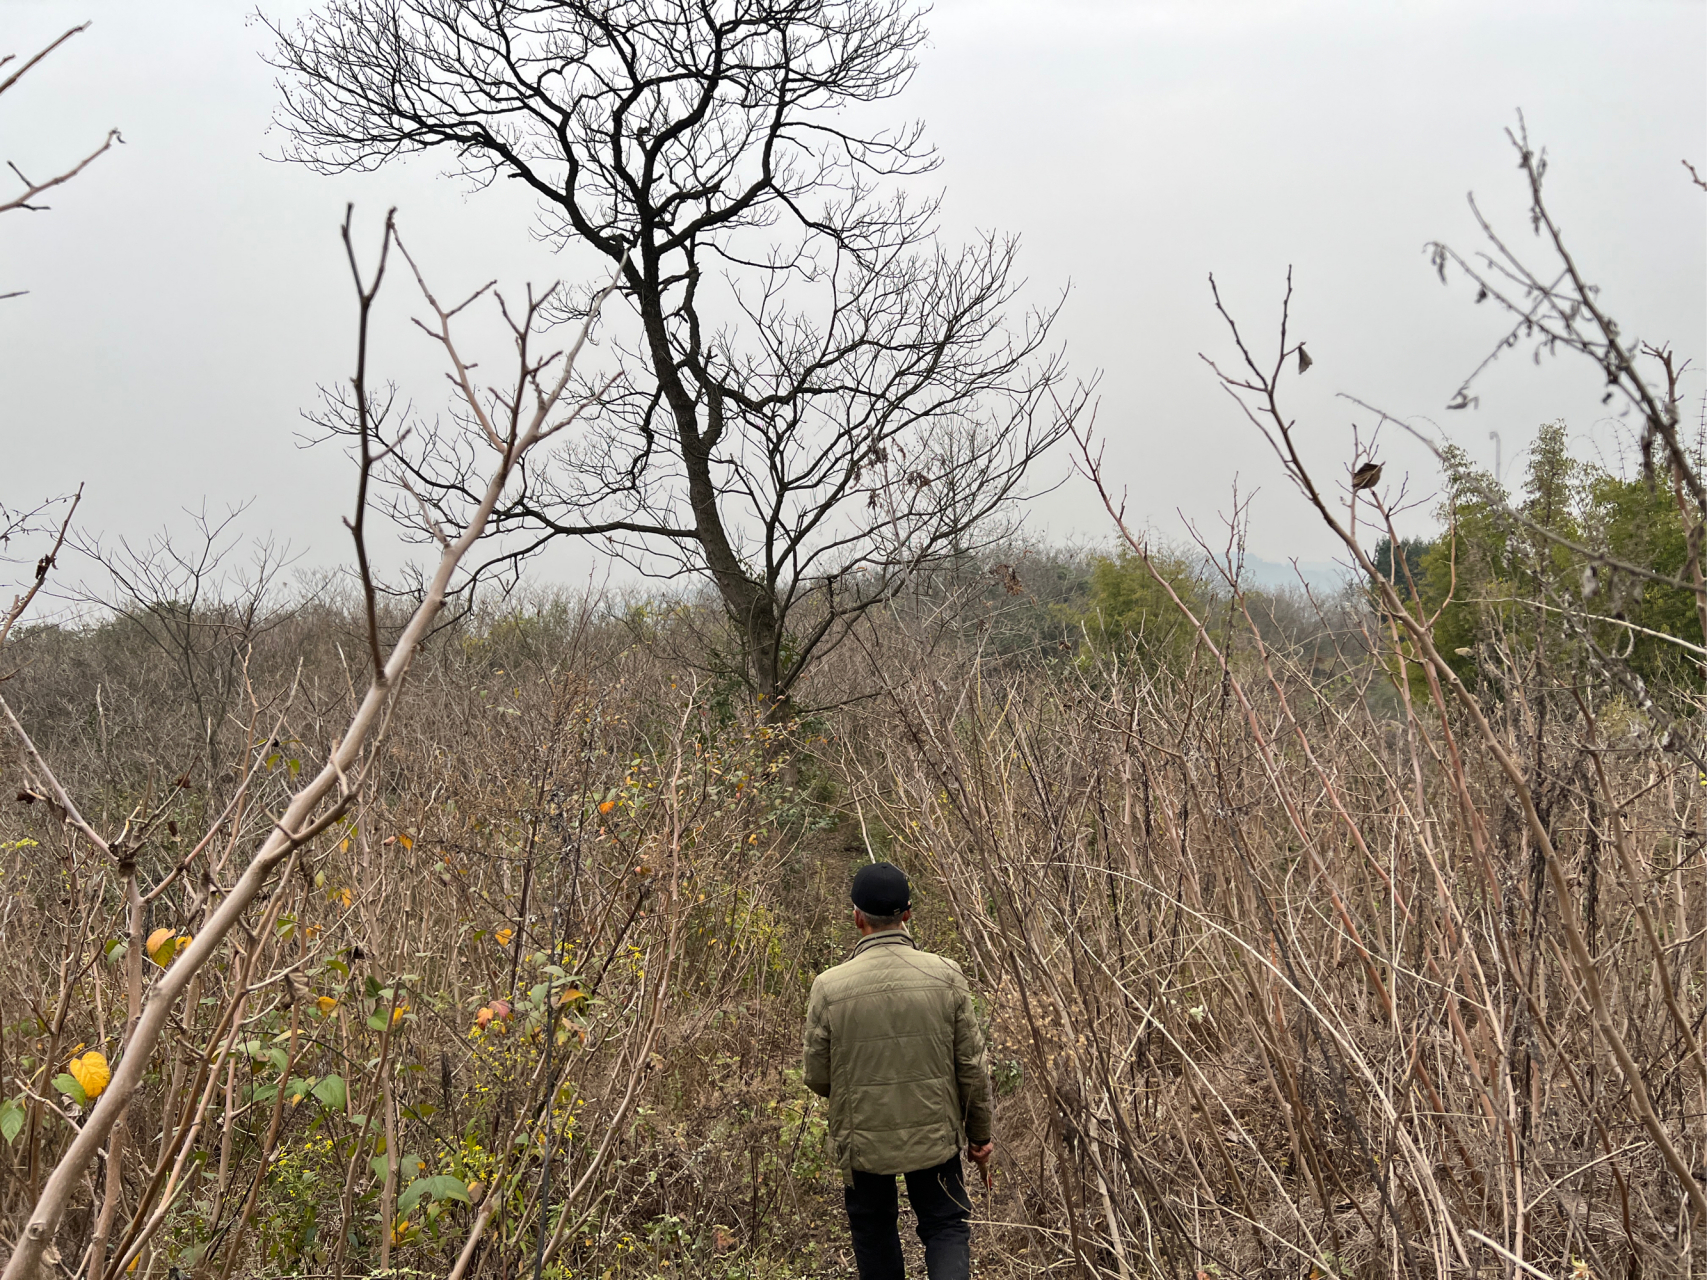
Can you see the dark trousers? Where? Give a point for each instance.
(940, 1203)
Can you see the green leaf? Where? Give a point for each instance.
(442, 1187)
(376, 1022)
(67, 1084)
(379, 1166)
(11, 1119)
(332, 1092)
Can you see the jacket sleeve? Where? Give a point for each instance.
(817, 1047)
(969, 1068)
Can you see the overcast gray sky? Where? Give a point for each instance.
(187, 294)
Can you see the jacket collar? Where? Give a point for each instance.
(887, 938)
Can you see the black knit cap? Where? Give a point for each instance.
(881, 890)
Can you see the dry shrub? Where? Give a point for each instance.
(554, 921)
(1284, 983)
(1274, 979)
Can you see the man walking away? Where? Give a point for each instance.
(892, 1042)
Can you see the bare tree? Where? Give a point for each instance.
(188, 600)
(831, 399)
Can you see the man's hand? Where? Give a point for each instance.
(980, 1156)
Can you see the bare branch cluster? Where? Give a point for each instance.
(819, 398)
(34, 188)
(307, 812)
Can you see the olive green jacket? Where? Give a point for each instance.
(893, 1042)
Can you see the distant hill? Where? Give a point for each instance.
(1272, 575)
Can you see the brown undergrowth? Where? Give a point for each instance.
(555, 954)
(1275, 978)
(1311, 941)
(1289, 988)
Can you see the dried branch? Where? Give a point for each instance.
(312, 809)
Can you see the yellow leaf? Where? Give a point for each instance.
(161, 946)
(405, 841)
(92, 1072)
